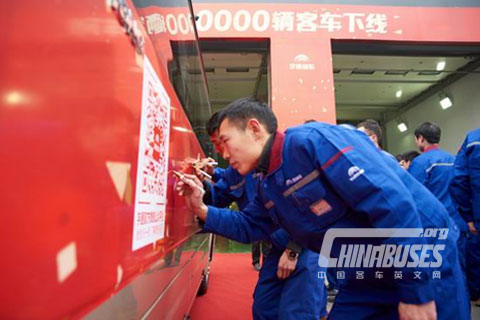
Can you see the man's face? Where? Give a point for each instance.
(420, 141)
(405, 164)
(216, 143)
(242, 148)
(370, 134)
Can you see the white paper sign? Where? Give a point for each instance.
(151, 185)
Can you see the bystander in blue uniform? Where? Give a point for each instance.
(465, 191)
(434, 169)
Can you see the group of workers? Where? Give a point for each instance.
(319, 184)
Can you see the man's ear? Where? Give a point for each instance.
(255, 127)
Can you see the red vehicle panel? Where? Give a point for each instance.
(70, 123)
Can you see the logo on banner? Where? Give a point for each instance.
(301, 62)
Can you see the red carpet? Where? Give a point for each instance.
(229, 296)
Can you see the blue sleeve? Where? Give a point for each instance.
(230, 188)
(221, 195)
(418, 171)
(460, 188)
(218, 174)
(281, 238)
(251, 224)
(361, 177)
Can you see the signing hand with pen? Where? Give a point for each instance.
(204, 168)
(191, 188)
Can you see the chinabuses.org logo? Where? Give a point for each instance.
(410, 251)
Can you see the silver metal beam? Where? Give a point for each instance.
(460, 70)
(347, 107)
(263, 65)
(386, 81)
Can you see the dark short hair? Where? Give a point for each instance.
(410, 155)
(240, 110)
(309, 121)
(374, 127)
(399, 157)
(213, 124)
(430, 131)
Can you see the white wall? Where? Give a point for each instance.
(455, 121)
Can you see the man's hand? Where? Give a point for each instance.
(425, 311)
(203, 168)
(472, 228)
(190, 186)
(285, 266)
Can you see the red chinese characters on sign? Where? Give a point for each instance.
(156, 147)
(151, 186)
(241, 20)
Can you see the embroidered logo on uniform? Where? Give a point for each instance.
(293, 180)
(355, 172)
(320, 207)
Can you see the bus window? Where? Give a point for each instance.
(174, 37)
(187, 75)
(236, 69)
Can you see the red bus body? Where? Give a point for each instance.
(70, 114)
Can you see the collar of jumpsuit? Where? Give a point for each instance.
(271, 157)
(430, 148)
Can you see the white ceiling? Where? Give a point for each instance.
(234, 75)
(368, 85)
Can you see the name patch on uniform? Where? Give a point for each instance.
(320, 207)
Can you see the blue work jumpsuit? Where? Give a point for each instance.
(341, 180)
(434, 169)
(302, 295)
(465, 191)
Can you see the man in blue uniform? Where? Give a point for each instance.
(407, 158)
(434, 169)
(317, 177)
(288, 286)
(465, 191)
(333, 282)
(373, 130)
